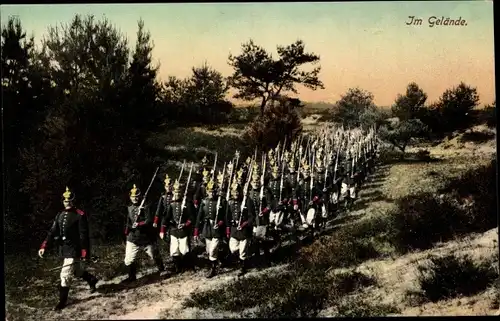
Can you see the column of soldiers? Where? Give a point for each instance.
(245, 206)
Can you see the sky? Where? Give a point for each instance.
(366, 45)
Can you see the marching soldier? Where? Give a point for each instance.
(261, 207)
(320, 194)
(71, 232)
(163, 202)
(140, 234)
(178, 221)
(277, 208)
(210, 221)
(349, 185)
(239, 226)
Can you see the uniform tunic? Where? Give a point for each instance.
(70, 232)
(144, 234)
(171, 220)
(247, 219)
(208, 217)
(161, 209)
(258, 206)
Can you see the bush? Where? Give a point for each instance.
(400, 135)
(354, 307)
(424, 155)
(477, 137)
(478, 188)
(451, 276)
(421, 220)
(279, 121)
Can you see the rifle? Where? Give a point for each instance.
(183, 204)
(261, 195)
(216, 226)
(245, 192)
(215, 165)
(144, 198)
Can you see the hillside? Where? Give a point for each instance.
(389, 275)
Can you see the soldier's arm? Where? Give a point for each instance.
(199, 219)
(251, 211)
(128, 224)
(268, 200)
(84, 233)
(50, 234)
(147, 216)
(188, 215)
(166, 219)
(159, 211)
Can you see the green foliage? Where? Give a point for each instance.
(468, 204)
(451, 276)
(258, 76)
(411, 104)
(402, 133)
(349, 108)
(279, 121)
(372, 117)
(199, 98)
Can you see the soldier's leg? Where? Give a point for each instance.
(130, 256)
(86, 276)
(243, 249)
(234, 245)
(66, 274)
(188, 257)
(175, 253)
(154, 255)
(213, 251)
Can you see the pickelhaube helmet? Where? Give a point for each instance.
(234, 189)
(68, 196)
(167, 180)
(248, 160)
(210, 187)
(291, 165)
(275, 171)
(220, 179)
(239, 175)
(286, 156)
(135, 192)
(204, 161)
(177, 187)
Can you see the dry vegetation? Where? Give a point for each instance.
(358, 267)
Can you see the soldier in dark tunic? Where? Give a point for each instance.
(211, 221)
(178, 221)
(163, 202)
(239, 226)
(71, 232)
(141, 235)
(261, 207)
(321, 191)
(198, 185)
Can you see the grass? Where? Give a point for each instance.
(452, 276)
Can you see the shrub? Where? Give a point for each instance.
(477, 137)
(279, 121)
(421, 220)
(451, 276)
(400, 135)
(423, 154)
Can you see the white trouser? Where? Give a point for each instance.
(276, 217)
(132, 249)
(324, 214)
(259, 232)
(334, 197)
(71, 267)
(242, 246)
(178, 246)
(348, 191)
(212, 246)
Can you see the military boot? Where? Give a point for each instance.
(132, 271)
(159, 264)
(177, 264)
(63, 298)
(213, 270)
(91, 280)
(244, 267)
